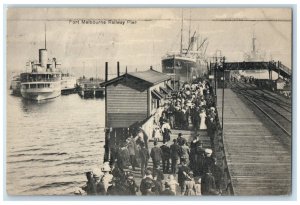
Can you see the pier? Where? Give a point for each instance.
(257, 140)
(90, 88)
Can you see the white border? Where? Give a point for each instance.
(164, 3)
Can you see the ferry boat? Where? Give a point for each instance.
(44, 80)
(41, 83)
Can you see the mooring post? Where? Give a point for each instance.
(118, 68)
(106, 71)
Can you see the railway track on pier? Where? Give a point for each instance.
(272, 106)
(258, 152)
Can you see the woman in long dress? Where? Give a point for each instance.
(203, 119)
(189, 188)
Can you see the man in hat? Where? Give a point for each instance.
(148, 189)
(180, 139)
(107, 177)
(208, 161)
(183, 171)
(148, 179)
(113, 190)
(166, 130)
(156, 155)
(131, 146)
(174, 153)
(165, 157)
(98, 175)
(208, 186)
(144, 156)
(184, 153)
(90, 187)
(131, 185)
(167, 191)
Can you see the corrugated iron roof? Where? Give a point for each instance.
(151, 76)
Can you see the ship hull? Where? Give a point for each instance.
(186, 69)
(38, 94)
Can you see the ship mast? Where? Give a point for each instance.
(45, 37)
(253, 43)
(190, 28)
(181, 31)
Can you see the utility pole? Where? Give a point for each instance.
(174, 72)
(223, 67)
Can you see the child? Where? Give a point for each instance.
(198, 186)
(173, 183)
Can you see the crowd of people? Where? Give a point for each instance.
(180, 166)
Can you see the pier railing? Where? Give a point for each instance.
(149, 124)
(220, 148)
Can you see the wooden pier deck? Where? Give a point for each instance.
(259, 163)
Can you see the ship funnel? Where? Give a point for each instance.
(43, 57)
(194, 43)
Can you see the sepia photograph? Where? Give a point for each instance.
(180, 102)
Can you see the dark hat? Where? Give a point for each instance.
(155, 143)
(148, 185)
(148, 172)
(179, 134)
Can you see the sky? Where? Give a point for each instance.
(83, 49)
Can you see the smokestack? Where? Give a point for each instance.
(106, 71)
(118, 68)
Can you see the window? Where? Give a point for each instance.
(32, 85)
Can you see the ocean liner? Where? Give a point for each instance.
(187, 64)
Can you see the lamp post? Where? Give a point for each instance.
(223, 68)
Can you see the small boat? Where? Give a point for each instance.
(68, 84)
(15, 85)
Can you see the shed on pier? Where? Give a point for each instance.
(132, 98)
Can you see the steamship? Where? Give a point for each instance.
(43, 81)
(187, 64)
